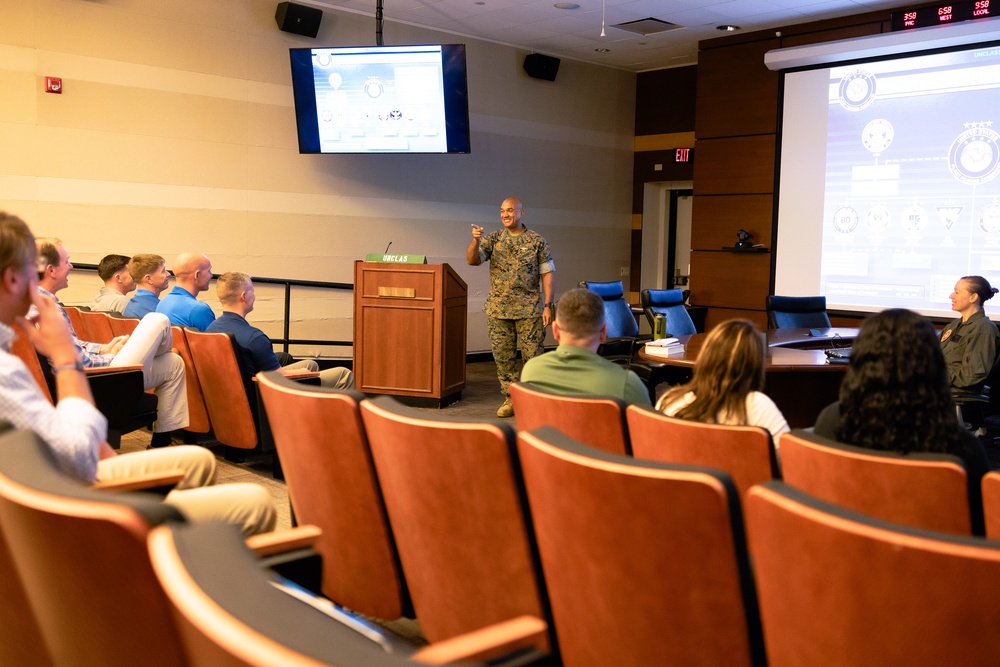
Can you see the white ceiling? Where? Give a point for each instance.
(539, 26)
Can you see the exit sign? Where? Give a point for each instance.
(683, 155)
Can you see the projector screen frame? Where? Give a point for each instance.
(846, 53)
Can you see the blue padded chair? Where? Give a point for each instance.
(670, 304)
(797, 312)
(623, 330)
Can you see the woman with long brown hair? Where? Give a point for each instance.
(727, 382)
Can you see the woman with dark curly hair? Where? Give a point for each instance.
(970, 342)
(896, 397)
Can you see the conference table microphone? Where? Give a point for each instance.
(387, 248)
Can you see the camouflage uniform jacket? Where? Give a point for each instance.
(516, 267)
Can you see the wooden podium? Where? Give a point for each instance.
(410, 331)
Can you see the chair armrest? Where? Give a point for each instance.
(102, 370)
(523, 632)
(167, 480)
(300, 537)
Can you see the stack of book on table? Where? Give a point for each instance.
(664, 347)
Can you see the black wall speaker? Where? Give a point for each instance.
(299, 19)
(541, 67)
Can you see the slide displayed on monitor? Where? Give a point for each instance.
(392, 99)
(889, 185)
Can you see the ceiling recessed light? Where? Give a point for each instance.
(566, 5)
(727, 28)
(603, 50)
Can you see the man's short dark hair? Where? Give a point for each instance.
(17, 243)
(580, 312)
(110, 265)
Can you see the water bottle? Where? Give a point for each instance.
(659, 326)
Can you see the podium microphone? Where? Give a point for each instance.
(387, 248)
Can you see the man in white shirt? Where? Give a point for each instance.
(73, 428)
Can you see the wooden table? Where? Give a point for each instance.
(797, 377)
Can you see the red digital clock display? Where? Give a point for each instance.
(941, 14)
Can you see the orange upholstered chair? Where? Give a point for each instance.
(452, 495)
(122, 326)
(745, 452)
(839, 588)
(991, 504)
(98, 327)
(923, 490)
(229, 613)
(331, 483)
(218, 371)
(598, 421)
(644, 562)
(197, 410)
(81, 555)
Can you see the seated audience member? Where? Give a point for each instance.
(727, 382)
(113, 297)
(574, 368)
(73, 428)
(970, 343)
(193, 273)
(895, 397)
(256, 353)
(151, 278)
(149, 346)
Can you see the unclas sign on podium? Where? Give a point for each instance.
(410, 330)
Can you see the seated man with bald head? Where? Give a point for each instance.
(193, 273)
(574, 368)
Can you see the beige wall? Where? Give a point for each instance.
(176, 132)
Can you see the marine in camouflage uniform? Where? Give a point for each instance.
(520, 260)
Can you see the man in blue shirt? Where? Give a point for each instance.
(256, 353)
(193, 273)
(151, 278)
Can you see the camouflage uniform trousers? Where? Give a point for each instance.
(504, 335)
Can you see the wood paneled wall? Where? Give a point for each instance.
(735, 158)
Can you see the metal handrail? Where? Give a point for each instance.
(288, 284)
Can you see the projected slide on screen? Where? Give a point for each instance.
(889, 177)
(912, 193)
(370, 101)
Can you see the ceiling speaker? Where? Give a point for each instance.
(541, 67)
(299, 19)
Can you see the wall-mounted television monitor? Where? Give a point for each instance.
(381, 99)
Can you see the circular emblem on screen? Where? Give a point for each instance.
(914, 219)
(373, 87)
(322, 59)
(857, 90)
(989, 218)
(877, 218)
(974, 156)
(877, 135)
(845, 219)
